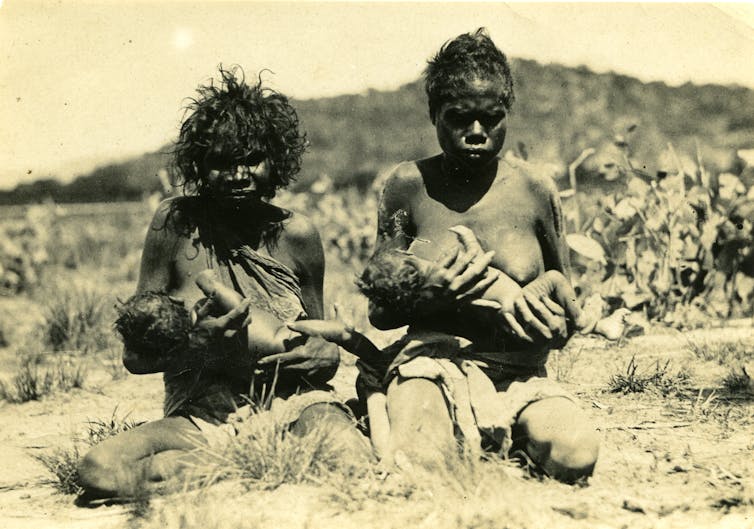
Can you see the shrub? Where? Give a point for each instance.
(31, 382)
(721, 352)
(34, 380)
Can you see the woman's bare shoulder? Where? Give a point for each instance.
(534, 176)
(299, 229)
(404, 176)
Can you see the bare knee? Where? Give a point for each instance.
(97, 471)
(560, 438)
(339, 428)
(573, 455)
(420, 424)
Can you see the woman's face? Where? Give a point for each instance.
(250, 179)
(471, 129)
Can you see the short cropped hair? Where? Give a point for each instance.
(467, 57)
(238, 122)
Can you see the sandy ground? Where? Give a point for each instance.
(683, 460)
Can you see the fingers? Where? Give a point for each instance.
(202, 308)
(475, 270)
(460, 264)
(516, 327)
(555, 321)
(553, 307)
(448, 258)
(480, 287)
(468, 239)
(522, 307)
(572, 309)
(486, 304)
(283, 358)
(235, 318)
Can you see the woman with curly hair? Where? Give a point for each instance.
(239, 143)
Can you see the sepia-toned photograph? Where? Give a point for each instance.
(325, 265)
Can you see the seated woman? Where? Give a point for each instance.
(401, 277)
(238, 144)
(516, 214)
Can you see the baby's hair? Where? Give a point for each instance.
(153, 323)
(392, 279)
(460, 61)
(238, 123)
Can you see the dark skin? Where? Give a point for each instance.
(171, 261)
(514, 214)
(431, 200)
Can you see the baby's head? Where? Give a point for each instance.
(395, 279)
(153, 323)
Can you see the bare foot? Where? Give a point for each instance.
(612, 327)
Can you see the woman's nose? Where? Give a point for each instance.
(475, 135)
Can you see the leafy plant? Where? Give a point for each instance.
(678, 245)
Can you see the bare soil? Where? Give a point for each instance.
(681, 459)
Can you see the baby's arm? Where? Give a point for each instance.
(339, 333)
(267, 336)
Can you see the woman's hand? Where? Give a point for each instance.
(211, 325)
(542, 309)
(307, 356)
(461, 275)
(339, 333)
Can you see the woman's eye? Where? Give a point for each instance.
(255, 158)
(491, 120)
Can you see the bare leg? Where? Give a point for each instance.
(420, 425)
(349, 442)
(558, 436)
(151, 452)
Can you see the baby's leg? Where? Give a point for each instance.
(559, 437)
(152, 452)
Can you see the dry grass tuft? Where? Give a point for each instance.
(77, 319)
(62, 463)
(658, 379)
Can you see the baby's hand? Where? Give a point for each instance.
(334, 331)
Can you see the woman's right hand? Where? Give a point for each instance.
(462, 274)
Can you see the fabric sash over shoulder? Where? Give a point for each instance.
(269, 284)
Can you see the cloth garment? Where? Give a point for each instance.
(485, 392)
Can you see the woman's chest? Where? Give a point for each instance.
(500, 226)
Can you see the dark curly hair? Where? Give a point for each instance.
(392, 279)
(467, 57)
(237, 123)
(153, 323)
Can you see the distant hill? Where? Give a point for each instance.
(559, 111)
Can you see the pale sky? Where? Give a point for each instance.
(87, 83)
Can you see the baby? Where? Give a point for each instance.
(159, 326)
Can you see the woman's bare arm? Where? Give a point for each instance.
(154, 275)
